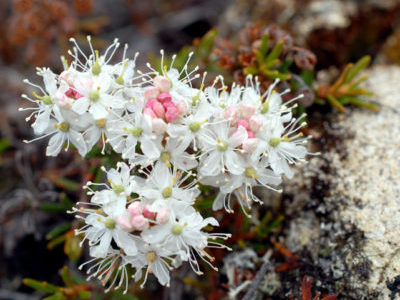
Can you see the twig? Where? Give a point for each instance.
(252, 291)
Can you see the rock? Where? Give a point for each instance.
(349, 226)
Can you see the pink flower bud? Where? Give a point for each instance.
(135, 208)
(250, 134)
(182, 107)
(150, 103)
(164, 97)
(232, 114)
(167, 104)
(162, 83)
(62, 99)
(250, 145)
(158, 125)
(159, 110)
(149, 112)
(243, 123)
(172, 114)
(255, 123)
(151, 92)
(124, 223)
(246, 111)
(163, 215)
(68, 77)
(239, 136)
(148, 214)
(140, 223)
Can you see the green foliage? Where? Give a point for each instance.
(202, 49)
(73, 289)
(346, 90)
(268, 62)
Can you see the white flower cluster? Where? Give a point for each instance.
(172, 136)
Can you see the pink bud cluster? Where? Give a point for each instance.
(159, 105)
(139, 218)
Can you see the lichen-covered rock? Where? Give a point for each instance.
(348, 217)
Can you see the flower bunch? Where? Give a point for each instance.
(172, 136)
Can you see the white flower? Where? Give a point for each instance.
(45, 103)
(130, 131)
(281, 146)
(182, 234)
(102, 228)
(219, 149)
(64, 129)
(255, 174)
(172, 154)
(96, 97)
(164, 189)
(190, 126)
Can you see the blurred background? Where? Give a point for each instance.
(311, 40)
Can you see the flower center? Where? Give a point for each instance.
(45, 99)
(63, 126)
(94, 96)
(274, 142)
(250, 173)
(222, 145)
(151, 256)
(96, 68)
(101, 123)
(176, 229)
(110, 223)
(264, 107)
(195, 126)
(136, 131)
(167, 192)
(118, 189)
(165, 156)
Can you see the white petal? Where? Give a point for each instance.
(126, 241)
(81, 105)
(78, 141)
(55, 144)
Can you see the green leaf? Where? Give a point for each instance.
(56, 296)
(4, 145)
(335, 103)
(250, 70)
(259, 56)
(41, 285)
(53, 207)
(58, 230)
(72, 247)
(85, 294)
(271, 63)
(264, 44)
(275, 52)
(307, 76)
(206, 43)
(67, 184)
(56, 241)
(66, 277)
(360, 65)
(118, 295)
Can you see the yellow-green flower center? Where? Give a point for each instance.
(195, 126)
(176, 229)
(274, 142)
(250, 172)
(167, 192)
(110, 223)
(222, 145)
(94, 96)
(63, 126)
(101, 123)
